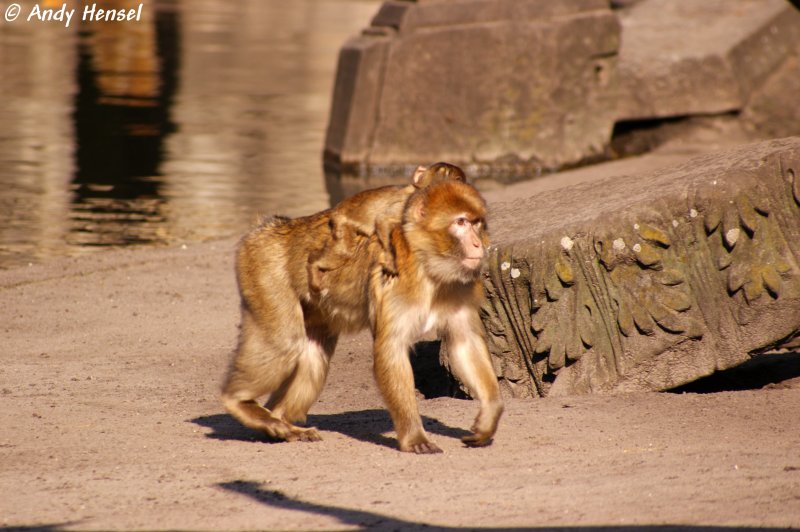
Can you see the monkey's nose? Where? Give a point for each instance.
(476, 242)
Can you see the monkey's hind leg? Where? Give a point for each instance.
(294, 398)
(264, 366)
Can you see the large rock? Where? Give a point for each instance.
(511, 88)
(773, 110)
(686, 57)
(511, 83)
(647, 282)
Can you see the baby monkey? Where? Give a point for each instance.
(371, 212)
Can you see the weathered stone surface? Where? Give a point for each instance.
(510, 88)
(684, 57)
(648, 282)
(356, 94)
(524, 83)
(773, 110)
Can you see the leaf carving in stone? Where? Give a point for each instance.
(748, 250)
(562, 323)
(649, 295)
(648, 300)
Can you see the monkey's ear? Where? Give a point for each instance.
(418, 173)
(417, 211)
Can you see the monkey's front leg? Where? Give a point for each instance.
(396, 382)
(470, 361)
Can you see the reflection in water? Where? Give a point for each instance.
(36, 138)
(121, 119)
(182, 126)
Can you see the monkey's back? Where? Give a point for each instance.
(272, 272)
(365, 207)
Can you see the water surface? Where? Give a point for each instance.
(183, 126)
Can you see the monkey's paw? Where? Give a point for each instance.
(280, 430)
(477, 440)
(300, 434)
(422, 447)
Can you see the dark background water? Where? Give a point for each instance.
(183, 126)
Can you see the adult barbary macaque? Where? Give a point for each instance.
(289, 330)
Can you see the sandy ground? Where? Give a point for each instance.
(110, 366)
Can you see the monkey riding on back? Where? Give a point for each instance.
(401, 261)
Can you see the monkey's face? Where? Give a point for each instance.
(467, 234)
(448, 230)
(460, 247)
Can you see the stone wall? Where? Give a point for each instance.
(513, 88)
(683, 57)
(507, 83)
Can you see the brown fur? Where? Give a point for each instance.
(354, 220)
(289, 330)
(371, 212)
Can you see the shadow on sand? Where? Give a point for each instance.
(375, 521)
(364, 425)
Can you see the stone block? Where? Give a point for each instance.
(356, 93)
(684, 57)
(647, 282)
(773, 110)
(478, 82)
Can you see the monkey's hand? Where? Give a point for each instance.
(425, 448)
(387, 264)
(420, 446)
(388, 271)
(485, 425)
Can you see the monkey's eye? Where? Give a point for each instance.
(462, 221)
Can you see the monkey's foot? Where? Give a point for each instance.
(477, 440)
(300, 434)
(280, 430)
